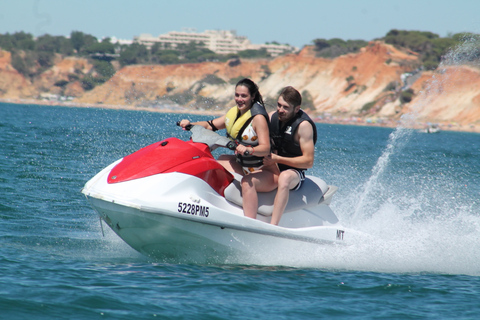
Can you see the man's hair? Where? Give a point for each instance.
(291, 96)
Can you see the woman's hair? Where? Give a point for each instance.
(252, 88)
(291, 96)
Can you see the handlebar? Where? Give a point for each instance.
(230, 144)
(187, 127)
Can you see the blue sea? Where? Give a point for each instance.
(410, 200)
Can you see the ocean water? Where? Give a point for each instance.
(410, 202)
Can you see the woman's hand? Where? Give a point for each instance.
(183, 123)
(241, 149)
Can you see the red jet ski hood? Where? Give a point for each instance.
(172, 155)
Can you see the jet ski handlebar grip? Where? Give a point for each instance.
(231, 145)
(188, 127)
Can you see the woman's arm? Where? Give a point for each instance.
(260, 125)
(218, 123)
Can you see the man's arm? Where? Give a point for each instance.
(305, 139)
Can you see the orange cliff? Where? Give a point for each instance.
(325, 79)
(354, 88)
(449, 95)
(13, 85)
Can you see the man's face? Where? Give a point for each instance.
(285, 111)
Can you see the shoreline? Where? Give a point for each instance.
(354, 121)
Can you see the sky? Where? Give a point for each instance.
(294, 22)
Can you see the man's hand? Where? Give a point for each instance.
(269, 160)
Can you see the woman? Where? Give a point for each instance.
(247, 124)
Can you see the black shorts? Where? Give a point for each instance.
(301, 175)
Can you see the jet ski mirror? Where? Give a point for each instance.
(208, 137)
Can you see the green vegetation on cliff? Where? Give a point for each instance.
(336, 47)
(32, 56)
(430, 46)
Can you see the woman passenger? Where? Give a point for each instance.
(247, 124)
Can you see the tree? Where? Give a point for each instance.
(6, 42)
(23, 41)
(46, 47)
(246, 54)
(88, 82)
(165, 56)
(17, 41)
(80, 41)
(429, 45)
(336, 47)
(134, 54)
(406, 96)
(104, 47)
(20, 64)
(24, 62)
(64, 46)
(45, 59)
(76, 37)
(320, 44)
(46, 43)
(104, 69)
(199, 55)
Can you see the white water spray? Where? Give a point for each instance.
(397, 140)
(468, 52)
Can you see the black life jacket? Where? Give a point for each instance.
(282, 136)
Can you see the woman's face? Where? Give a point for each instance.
(243, 99)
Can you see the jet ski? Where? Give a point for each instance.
(173, 201)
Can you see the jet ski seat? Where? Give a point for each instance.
(312, 192)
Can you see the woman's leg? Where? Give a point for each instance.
(261, 181)
(229, 162)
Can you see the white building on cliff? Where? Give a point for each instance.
(219, 41)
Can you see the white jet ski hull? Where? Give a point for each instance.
(179, 218)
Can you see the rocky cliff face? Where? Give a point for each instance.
(365, 85)
(13, 84)
(451, 94)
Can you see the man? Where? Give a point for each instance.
(293, 136)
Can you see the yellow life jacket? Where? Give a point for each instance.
(235, 124)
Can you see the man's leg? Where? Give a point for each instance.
(287, 180)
